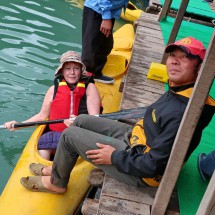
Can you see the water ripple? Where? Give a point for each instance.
(48, 17)
(33, 35)
(8, 9)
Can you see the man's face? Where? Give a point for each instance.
(181, 69)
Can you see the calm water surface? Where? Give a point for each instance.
(33, 34)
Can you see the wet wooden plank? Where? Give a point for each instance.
(96, 177)
(119, 198)
(119, 190)
(110, 206)
(90, 206)
(138, 90)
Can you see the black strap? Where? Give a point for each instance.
(56, 84)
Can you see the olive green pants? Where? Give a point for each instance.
(83, 136)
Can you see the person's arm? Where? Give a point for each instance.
(105, 8)
(45, 109)
(153, 162)
(42, 115)
(93, 99)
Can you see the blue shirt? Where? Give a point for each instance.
(107, 8)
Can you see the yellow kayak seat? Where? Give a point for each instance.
(124, 39)
(158, 72)
(122, 44)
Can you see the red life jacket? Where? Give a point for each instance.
(61, 104)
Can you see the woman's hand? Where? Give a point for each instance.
(70, 121)
(9, 125)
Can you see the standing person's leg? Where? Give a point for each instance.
(95, 45)
(103, 49)
(90, 29)
(76, 141)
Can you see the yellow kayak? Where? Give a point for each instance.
(116, 67)
(131, 14)
(16, 200)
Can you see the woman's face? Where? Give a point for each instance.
(71, 72)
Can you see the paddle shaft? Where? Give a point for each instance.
(132, 113)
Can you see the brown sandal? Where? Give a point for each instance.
(36, 168)
(34, 183)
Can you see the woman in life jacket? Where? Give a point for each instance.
(73, 93)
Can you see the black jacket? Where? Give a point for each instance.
(161, 123)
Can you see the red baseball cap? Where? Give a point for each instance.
(191, 46)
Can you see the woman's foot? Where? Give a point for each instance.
(41, 184)
(40, 169)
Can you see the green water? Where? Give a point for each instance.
(33, 34)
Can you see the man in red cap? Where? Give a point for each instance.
(184, 61)
(134, 155)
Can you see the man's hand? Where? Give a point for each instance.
(106, 27)
(101, 155)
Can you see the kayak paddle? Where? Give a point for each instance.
(132, 113)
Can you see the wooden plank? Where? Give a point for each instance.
(110, 206)
(197, 18)
(147, 16)
(96, 177)
(120, 198)
(207, 205)
(138, 90)
(119, 190)
(186, 130)
(147, 87)
(165, 9)
(141, 93)
(90, 206)
(150, 24)
(150, 32)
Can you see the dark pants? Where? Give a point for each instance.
(95, 45)
(207, 164)
(83, 136)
